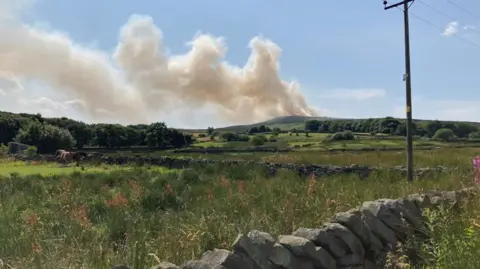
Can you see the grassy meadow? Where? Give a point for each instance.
(96, 216)
(451, 157)
(320, 141)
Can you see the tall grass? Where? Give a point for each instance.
(454, 241)
(86, 220)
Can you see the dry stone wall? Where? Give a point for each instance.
(359, 238)
(302, 169)
(217, 150)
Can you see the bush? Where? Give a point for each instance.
(202, 135)
(3, 150)
(474, 135)
(229, 137)
(258, 140)
(31, 151)
(445, 134)
(341, 136)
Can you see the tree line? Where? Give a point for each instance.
(50, 134)
(392, 126)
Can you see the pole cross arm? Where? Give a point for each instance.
(395, 5)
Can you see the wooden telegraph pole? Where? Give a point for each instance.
(407, 77)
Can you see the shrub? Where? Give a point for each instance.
(229, 137)
(340, 136)
(258, 140)
(445, 134)
(474, 135)
(31, 151)
(3, 150)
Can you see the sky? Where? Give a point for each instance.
(193, 64)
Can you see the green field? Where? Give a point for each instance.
(321, 142)
(51, 169)
(72, 218)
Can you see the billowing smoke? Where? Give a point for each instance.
(140, 79)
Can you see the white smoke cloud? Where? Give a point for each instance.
(140, 79)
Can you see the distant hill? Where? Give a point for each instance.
(298, 122)
(286, 122)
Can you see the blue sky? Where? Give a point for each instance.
(348, 56)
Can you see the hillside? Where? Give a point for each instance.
(298, 122)
(286, 122)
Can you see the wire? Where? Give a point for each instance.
(441, 28)
(463, 9)
(413, 1)
(446, 15)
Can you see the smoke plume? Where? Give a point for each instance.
(139, 78)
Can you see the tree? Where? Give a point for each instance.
(81, 132)
(258, 140)
(210, 130)
(312, 125)
(156, 134)
(432, 127)
(464, 129)
(47, 138)
(475, 135)
(444, 134)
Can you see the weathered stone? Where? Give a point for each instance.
(351, 260)
(355, 222)
(281, 257)
(221, 258)
(297, 245)
(304, 248)
(346, 236)
(304, 264)
(196, 265)
(257, 246)
(468, 192)
(421, 200)
(380, 211)
(165, 265)
(370, 265)
(379, 229)
(325, 259)
(436, 200)
(407, 210)
(321, 237)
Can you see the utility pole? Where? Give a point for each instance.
(407, 77)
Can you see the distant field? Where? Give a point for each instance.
(49, 169)
(319, 141)
(452, 157)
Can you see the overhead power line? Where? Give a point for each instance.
(431, 24)
(446, 15)
(463, 9)
(442, 29)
